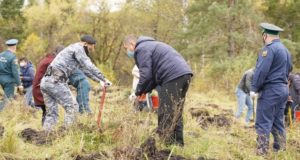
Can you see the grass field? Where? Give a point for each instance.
(123, 130)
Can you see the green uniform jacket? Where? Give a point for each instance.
(9, 71)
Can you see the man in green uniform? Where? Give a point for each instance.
(9, 72)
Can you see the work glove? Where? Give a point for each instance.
(253, 94)
(132, 97)
(105, 83)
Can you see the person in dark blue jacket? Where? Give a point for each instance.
(80, 82)
(270, 81)
(9, 71)
(27, 76)
(161, 65)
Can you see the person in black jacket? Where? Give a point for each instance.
(161, 65)
(294, 95)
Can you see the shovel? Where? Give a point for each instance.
(101, 107)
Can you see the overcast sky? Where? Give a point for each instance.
(113, 4)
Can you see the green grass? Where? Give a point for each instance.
(122, 127)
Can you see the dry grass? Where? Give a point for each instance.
(121, 127)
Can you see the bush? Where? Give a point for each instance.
(32, 48)
(223, 74)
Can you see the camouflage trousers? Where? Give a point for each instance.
(56, 92)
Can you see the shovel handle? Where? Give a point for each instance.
(101, 107)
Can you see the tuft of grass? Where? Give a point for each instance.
(10, 143)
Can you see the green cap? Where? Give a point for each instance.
(270, 28)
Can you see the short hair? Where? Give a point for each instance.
(23, 59)
(291, 76)
(270, 35)
(128, 39)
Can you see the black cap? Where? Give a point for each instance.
(88, 39)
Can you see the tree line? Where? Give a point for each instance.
(219, 38)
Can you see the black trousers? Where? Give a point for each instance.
(43, 107)
(170, 122)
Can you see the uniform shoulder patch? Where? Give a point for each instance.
(264, 53)
(3, 59)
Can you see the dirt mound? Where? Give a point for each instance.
(36, 137)
(198, 112)
(220, 120)
(41, 137)
(215, 106)
(149, 147)
(128, 153)
(217, 120)
(93, 156)
(1, 131)
(147, 150)
(204, 119)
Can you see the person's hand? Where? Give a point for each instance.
(253, 94)
(107, 83)
(290, 99)
(21, 77)
(132, 97)
(102, 84)
(20, 89)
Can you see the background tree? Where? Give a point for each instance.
(218, 33)
(219, 38)
(11, 20)
(32, 48)
(286, 14)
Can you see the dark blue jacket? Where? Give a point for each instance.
(272, 67)
(9, 70)
(27, 72)
(158, 64)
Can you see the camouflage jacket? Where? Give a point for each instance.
(73, 57)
